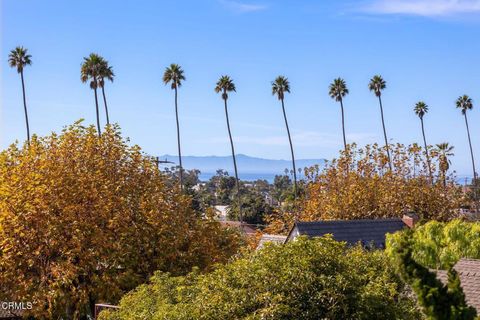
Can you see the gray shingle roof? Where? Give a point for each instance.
(469, 273)
(368, 232)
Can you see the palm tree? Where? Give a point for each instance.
(338, 90)
(420, 110)
(377, 84)
(19, 58)
(225, 85)
(90, 71)
(465, 103)
(174, 75)
(105, 73)
(444, 151)
(279, 87)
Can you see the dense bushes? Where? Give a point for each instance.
(84, 219)
(440, 245)
(304, 279)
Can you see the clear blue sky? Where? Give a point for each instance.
(425, 49)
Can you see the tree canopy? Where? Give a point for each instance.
(86, 218)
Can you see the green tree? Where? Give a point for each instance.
(304, 279)
(376, 85)
(445, 151)
(19, 58)
(464, 103)
(105, 73)
(438, 301)
(280, 86)
(439, 245)
(225, 85)
(421, 110)
(90, 71)
(338, 90)
(173, 75)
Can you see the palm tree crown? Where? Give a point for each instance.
(377, 84)
(445, 151)
(91, 68)
(464, 103)
(420, 109)
(19, 58)
(279, 86)
(174, 75)
(105, 72)
(225, 84)
(338, 89)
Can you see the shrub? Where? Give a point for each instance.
(304, 279)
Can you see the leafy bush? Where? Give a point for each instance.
(85, 219)
(440, 245)
(304, 279)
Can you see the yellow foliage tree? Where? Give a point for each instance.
(83, 219)
(360, 185)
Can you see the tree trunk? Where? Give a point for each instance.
(471, 154)
(234, 163)
(96, 106)
(343, 128)
(105, 103)
(178, 140)
(426, 153)
(385, 134)
(293, 156)
(25, 107)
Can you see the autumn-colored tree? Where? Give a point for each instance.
(359, 185)
(85, 218)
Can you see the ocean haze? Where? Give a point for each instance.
(249, 168)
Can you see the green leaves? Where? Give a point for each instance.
(304, 279)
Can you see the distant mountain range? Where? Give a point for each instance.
(249, 168)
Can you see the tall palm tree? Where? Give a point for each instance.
(173, 75)
(19, 58)
(465, 103)
(90, 71)
(225, 85)
(338, 90)
(445, 151)
(280, 86)
(377, 84)
(420, 110)
(105, 73)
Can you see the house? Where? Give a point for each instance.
(221, 212)
(274, 238)
(370, 233)
(244, 228)
(469, 273)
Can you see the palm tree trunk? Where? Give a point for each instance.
(234, 162)
(105, 103)
(178, 140)
(293, 156)
(343, 128)
(471, 154)
(25, 107)
(385, 134)
(96, 107)
(426, 152)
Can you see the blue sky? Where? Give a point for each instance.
(425, 49)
